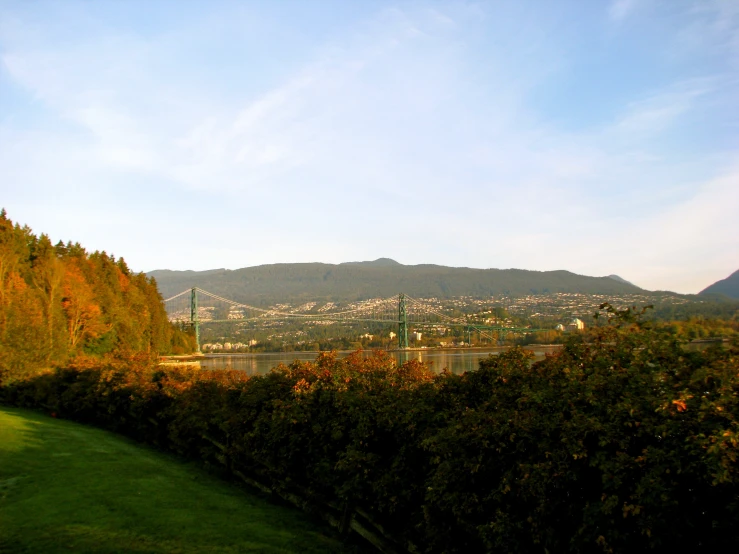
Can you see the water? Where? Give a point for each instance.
(457, 361)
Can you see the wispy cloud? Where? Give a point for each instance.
(656, 112)
(408, 133)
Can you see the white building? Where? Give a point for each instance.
(576, 325)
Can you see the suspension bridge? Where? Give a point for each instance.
(194, 307)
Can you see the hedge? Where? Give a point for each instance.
(622, 441)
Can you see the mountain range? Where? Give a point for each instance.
(269, 284)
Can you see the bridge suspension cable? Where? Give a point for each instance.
(400, 309)
(292, 315)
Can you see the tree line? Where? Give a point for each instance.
(58, 302)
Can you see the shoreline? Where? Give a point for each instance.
(201, 356)
(196, 358)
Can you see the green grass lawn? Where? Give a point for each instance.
(66, 487)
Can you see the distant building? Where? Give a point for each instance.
(392, 335)
(559, 327)
(416, 335)
(576, 325)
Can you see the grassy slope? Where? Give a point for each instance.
(65, 487)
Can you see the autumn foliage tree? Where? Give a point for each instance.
(84, 315)
(58, 302)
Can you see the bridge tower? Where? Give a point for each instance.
(194, 319)
(402, 322)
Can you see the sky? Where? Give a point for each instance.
(600, 137)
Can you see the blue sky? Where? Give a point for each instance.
(595, 136)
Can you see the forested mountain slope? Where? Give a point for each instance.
(267, 284)
(728, 287)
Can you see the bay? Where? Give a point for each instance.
(456, 360)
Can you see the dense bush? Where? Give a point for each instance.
(621, 442)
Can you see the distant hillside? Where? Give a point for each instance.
(379, 262)
(269, 284)
(621, 280)
(728, 287)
